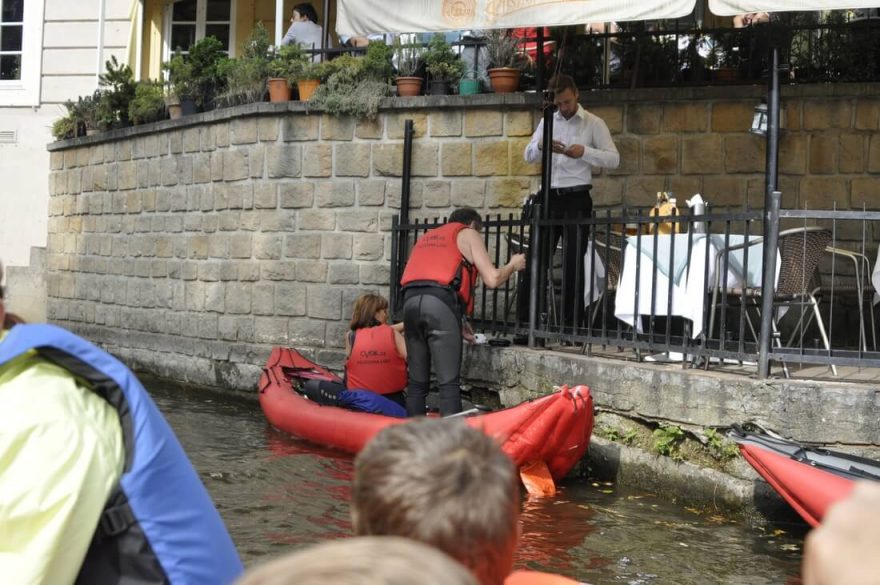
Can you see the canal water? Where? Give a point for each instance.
(277, 493)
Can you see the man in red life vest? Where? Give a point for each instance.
(438, 285)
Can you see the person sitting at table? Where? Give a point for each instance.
(375, 368)
(305, 30)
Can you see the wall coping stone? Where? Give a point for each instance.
(480, 101)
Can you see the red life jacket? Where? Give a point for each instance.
(374, 363)
(435, 260)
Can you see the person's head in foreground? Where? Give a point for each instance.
(374, 560)
(443, 483)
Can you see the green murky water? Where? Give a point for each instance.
(277, 493)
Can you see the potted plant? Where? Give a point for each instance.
(246, 75)
(408, 57)
(505, 60)
(119, 87)
(148, 104)
(353, 87)
(181, 88)
(206, 57)
(310, 76)
(442, 64)
(284, 69)
(725, 58)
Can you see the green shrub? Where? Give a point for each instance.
(289, 62)
(349, 89)
(148, 104)
(666, 440)
(441, 61)
(119, 86)
(246, 76)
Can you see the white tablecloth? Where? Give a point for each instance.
(692, 276)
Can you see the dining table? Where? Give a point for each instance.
(674, 274)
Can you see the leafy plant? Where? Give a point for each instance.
(441, 61)
(350, 89)
(119, 85)
(666, 440)
(206, 58)
(409, 57)
(246, 76)
(719, 446)
(289, 62)
(377, 61)
(66, 126)
(315, 70)
(503, 49)
(148, 104)
(181, 83)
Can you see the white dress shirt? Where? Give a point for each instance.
(582, 128)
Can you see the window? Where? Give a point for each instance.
(193, 20)
(11, 37)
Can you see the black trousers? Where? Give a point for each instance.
(578, 204)
(432, 330)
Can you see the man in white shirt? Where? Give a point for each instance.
(581, 141)
(304, 29)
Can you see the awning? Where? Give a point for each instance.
(362, 17)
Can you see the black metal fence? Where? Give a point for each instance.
(700, 289)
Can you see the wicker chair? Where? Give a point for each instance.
(800, 250)
(609, 249)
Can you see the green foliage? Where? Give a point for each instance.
(206, 58)
(666, 440)
(377, 62)
(719, 446)
(64, 127)
(317, 70)
(503, 49)
(441, 62)
(288, 62)
(349, 90)
(119, 85)
(148, 104)
(409, 57)
(246, 76)
(181, 82)
(610, 433)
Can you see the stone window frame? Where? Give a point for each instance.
(201, 23)
(25, 91)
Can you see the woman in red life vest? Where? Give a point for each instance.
(376, 360)
(438, 286)
(376, 351)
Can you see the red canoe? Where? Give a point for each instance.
(553, 430)
(810, 479)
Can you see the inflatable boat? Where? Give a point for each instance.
(546, 436)
(810, 479)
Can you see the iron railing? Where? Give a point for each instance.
(688, 288)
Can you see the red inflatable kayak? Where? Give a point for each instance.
(810, 479)
(552, 431)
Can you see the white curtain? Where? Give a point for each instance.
(731, 7)
(361, 17)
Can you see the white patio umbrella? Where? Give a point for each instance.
(362, 17)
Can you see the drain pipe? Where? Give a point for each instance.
(102, 8)
(407, 171)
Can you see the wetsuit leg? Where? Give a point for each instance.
(418, 358)
(433, 330)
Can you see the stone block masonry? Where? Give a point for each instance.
(190, 247)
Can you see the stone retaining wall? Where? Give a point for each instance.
(190, 247)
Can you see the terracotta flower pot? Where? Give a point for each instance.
(306, 88)
(504, 79)
(409, 86)
(279, 90)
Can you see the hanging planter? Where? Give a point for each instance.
(409, 86)
(504, 79)
(279, 90)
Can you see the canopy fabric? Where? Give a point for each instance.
(731, 7)
(363, 17)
